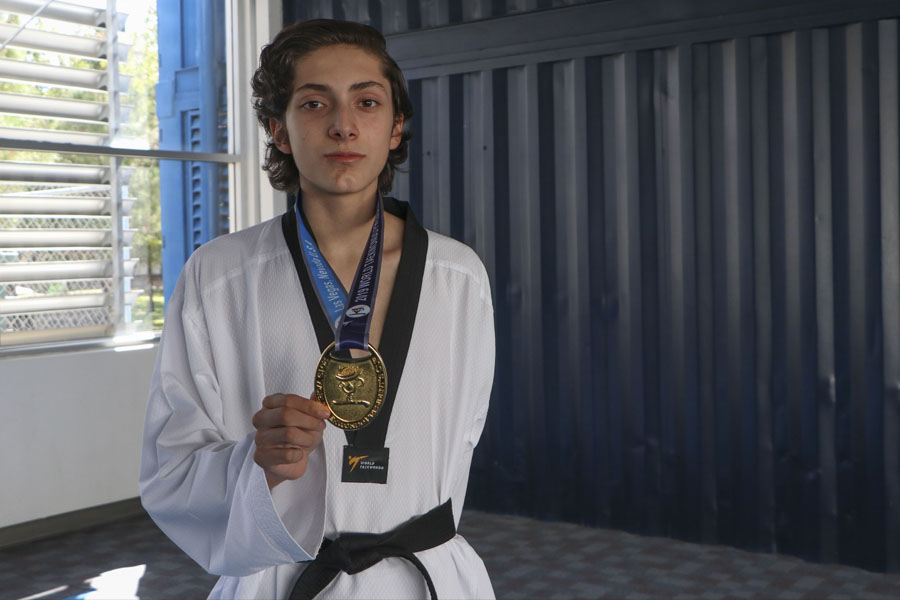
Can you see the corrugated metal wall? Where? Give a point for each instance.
(395, 16)
(695, 256)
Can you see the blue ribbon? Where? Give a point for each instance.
(350, 320)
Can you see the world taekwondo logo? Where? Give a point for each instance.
(360, 310)
(354, 460)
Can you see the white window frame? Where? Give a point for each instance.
(252, 25)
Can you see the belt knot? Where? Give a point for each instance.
(356, 552)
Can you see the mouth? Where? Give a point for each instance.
(344, 157)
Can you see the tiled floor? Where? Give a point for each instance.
(526, 559)
(534, 559)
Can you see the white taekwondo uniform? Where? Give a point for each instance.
(237, 329)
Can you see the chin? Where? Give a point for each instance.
(349, 185)
(341, 183)
(338, 189)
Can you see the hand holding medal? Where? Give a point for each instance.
(353, 389)
(288, 429)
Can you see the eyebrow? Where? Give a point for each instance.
(318, 87)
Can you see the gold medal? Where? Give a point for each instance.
(353, 389)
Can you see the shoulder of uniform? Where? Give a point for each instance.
(446, 249)
(230, 252)
(233, 257)
(447, 253)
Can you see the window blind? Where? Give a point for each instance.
(65, 265)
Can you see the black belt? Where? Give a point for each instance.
(355, 552)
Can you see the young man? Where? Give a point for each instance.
(324, 374)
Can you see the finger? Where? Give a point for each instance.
(287, 436)
(310, 406)
(270, 457)
(323, 411)
(274, 401)
(287, 417)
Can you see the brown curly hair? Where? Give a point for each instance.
(273, 85)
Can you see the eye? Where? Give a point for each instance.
(312, 104)
(369, 103)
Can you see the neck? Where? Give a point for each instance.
(334, 218)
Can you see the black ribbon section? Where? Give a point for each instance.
(400, 318)
(356, 552)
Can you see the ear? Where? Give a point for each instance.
(279, 135)
(397, 133)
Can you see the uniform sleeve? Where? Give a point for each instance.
(482, 355)
(203, 489)
(474, 375)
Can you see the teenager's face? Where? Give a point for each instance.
(339, 124)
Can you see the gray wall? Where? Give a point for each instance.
(689, 212)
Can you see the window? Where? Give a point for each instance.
(87, 249)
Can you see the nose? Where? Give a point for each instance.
(343, 126)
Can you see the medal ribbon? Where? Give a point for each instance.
(350, 325)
